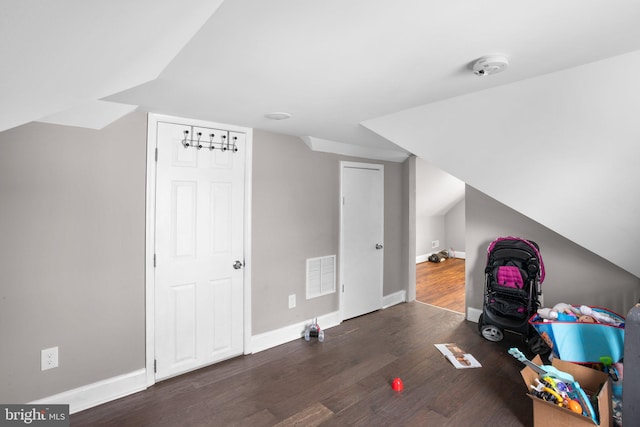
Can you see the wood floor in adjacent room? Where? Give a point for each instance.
(344, 381)
(442, 284)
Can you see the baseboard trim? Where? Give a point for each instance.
(289, 333)
(422, 258)
(452, 254)
(458, 254)
(473, 314)
(280, 336)
(100, 392)
(394, 298)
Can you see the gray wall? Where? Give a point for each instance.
(429, 229)
(574, 275)
(395, 227)
(409, 225)
(455, 227)
(73, 239)
(448, 229)
(72, 255)
(296, 215)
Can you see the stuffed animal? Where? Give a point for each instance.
(439, 256)
(548, 313)
(599, 317)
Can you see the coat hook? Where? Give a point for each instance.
(185, 141)
(225, 144)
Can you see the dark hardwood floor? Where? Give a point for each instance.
(344, 381)
(442, 284)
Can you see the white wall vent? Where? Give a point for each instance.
(321, 276)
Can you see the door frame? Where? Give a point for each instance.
(358, 165)
(152, 121)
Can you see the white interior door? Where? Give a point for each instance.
(362, 232)
(199, 236)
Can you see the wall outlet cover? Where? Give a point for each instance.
(49, 358)
(292, 301)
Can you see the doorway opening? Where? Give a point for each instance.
(440, 229)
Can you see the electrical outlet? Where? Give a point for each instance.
(49, 358)
(292, 301)
(435, 244)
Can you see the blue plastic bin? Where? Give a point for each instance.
(583, 342)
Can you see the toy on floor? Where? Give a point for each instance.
(313, 331)
(558, 387)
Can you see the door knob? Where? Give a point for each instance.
(378, 246)
(238, 265)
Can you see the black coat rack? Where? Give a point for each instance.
(199, 143)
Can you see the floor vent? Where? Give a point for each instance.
(321, 276)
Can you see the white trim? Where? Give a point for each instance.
(452, 254)
(293, 332)
(327, 146)
(473, 314)
(457, 254)
(152, 122)
(394, 298)
(100, 392)
(248, 191)
(422, 258)
(150, 278)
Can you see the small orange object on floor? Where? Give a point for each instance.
(397, 384)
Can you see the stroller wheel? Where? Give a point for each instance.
(492, 333)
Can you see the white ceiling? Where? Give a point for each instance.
(332, 64)
(561, 148)
(59, 57)
(436, 191)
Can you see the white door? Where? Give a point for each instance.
(362, 218)
(199, 237)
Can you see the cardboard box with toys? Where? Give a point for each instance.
(566, 393)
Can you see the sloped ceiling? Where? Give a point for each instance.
(60, 57)
(335, 65)
(438, 190)
(560, 148)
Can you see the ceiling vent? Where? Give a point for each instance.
(491, 64)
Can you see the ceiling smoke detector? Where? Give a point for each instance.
(491, 64)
